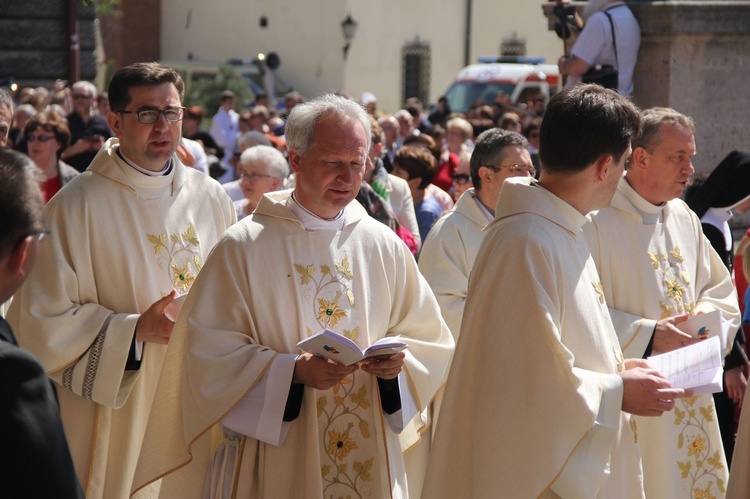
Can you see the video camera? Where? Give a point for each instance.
(566, 13)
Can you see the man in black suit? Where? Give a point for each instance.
(33, 449)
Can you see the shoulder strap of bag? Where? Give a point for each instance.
(614, 40)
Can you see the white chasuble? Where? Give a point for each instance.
(533, 399)
(655, 263)
(448, 255)
(268, 284)
(120, 240)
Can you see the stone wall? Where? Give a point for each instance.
(34, 41)
(695, 58)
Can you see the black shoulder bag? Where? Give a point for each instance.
(603, 74)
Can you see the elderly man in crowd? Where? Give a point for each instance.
(88, 130)
(658, 269)
(294, 424)
(126, 237)
(539, 397)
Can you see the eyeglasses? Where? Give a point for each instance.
(253, 176)
(461, 178)
(40, 138)
(39, 234)
(81, 96)
(516, 169)
(151, 116)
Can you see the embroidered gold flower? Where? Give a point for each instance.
(599, 291)
(674, 289)
(698, 446)
(675, 253)
(685, 468)
(690, 308)
(634, 427)
(189, 236)
(666, 310)
(159, 242)
(715, 461)
(654, 257)
(363, 469)
(353, 334)
(704, 494)
(182, 277)
(339, 444)
(343, 268)
(304, 272)
(685, 277)
(329, 312)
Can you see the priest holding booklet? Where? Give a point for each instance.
(288, 423)
(657, 270)
(539, 398)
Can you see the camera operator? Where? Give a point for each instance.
(594, 44)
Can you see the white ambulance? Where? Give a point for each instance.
(521, 78)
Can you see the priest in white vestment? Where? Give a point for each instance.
(289, 424)
(538, 399)
(453, 242)
(126, 236)
(657, 269)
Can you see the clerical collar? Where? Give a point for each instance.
(313, 222)
(490, 214)
(167, 168)
(650, 213)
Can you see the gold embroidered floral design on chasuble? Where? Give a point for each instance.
(180, 255)
(345, 415)
(701, 462)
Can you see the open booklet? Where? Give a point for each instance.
(706, 325)
(172, 311)
(696, 366)
(331, 345)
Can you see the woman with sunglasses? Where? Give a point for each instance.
(48, 135)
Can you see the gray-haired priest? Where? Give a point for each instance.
(292, 424)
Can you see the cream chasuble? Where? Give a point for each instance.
(448, 255)
(654, 262)
(532, 403)
(119, 241)
(268, 284)
(445, 261)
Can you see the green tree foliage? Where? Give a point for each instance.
(204, 92)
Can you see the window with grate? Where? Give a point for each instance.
(415, 71)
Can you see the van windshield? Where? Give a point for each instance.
(463, 95)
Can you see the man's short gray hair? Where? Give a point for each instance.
(651, 121)
(86, 86)
(301, 123)
(271, 157)
(490, 150)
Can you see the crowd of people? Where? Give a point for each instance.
(531, 257)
